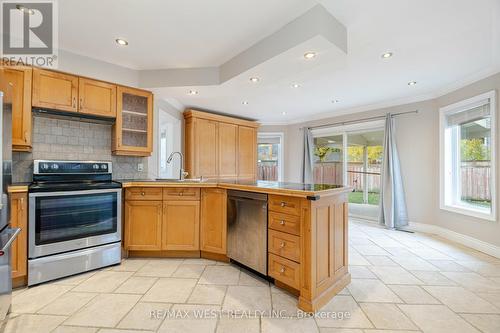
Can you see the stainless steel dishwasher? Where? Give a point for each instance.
(247, 229)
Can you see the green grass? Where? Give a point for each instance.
(357, 197)
(480, 203)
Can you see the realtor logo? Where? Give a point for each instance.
(29, 33)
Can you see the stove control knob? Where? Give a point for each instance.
(45, 166)
(104, 166)
(55, 166)
(95, 166)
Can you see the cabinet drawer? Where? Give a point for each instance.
(284, 270)
(284, 245)
(285, 223)
(143, 193)
(181, 193)
(284, 204)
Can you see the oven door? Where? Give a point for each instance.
(66, 221)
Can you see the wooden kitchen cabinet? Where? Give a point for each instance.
(213, 225)
(20, 77)
(181, 225)
(247, 153)
(228, 150)
(19, 249)
(97, 98)
(214, 148)
(143, 225)
(133, 129)
(54, 90)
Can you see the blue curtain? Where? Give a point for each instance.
(393, 213)
(308, 161)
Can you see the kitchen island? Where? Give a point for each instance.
(307, 229)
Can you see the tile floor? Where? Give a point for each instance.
(401, 282)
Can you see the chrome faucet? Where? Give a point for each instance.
(182, 173)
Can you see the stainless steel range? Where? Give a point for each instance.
(74, 219)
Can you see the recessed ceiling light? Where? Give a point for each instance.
(295, 85)
(254, 79)
(310, 55)
(244, 102)
(25, 9)
(412, 83)
(334, 101)
(387, 55)
(193, 92)
(121, 42)
(331, 141)
(283, 113)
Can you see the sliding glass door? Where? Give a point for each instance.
(352, 155)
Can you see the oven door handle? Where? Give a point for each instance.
(14, 232)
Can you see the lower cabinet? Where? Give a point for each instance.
(181, 225)
(19, 255)
(213, 227)
(143, 225)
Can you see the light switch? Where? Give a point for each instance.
(140, 167)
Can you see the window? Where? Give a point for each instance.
(270, 156)
(168, 141)
(467, 152)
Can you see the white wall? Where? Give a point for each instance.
(418, 145)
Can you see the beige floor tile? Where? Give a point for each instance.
(433, 278)
(195, 319)
(103, 282)
(250, 279)
(105, 310)
(247, 298)
(198, 261)
(487, 323)
(448, 266)
(381, 261)
(459, 299)
(75, 329)
(485, 269)
(159, 267)
(370, 250)
(280, 325)
(67, 304)
(117, 330)
(390, 331)
(414, 263)
(387, 316)
(341, 330)
(436, 319)
(361, 272)
(28, 323)
(413, 294)
(141, 318)
(493, 298)
(473, 281)
(189, 271)
(335, 314)
(430, 254)
(240, 325)
(372, 291)
(207, 294)
(35, 298)
(223, 275)
(394, 275)
(136, 285)
(130, 265)
(356, 259)
(170, 290)
(285, 304)
(75, 279)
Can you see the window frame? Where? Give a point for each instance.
(281, 162)
(448, 153)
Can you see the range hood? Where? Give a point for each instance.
(58, 114)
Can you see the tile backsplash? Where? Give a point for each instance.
(68, 139)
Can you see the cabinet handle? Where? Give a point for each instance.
(22, 203)
(282, 245)
(282, 270)
(283, 204)
(81, 103)
(25, 136)
(74, 102)
(282, 222)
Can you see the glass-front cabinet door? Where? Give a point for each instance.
(133, 130)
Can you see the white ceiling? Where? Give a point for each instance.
(440, 44)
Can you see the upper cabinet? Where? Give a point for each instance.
(133, 130)
(20, 80)
(219, 146)
(97, 98)
(54, 90)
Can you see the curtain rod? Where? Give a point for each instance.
(360, 120)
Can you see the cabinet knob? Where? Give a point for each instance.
(143, 194)
(282, 270)
(282, 222)
(181, 193)
(282, 245)
(283, 204)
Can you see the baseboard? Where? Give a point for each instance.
(471, 242)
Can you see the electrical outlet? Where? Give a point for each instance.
(140, 167)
